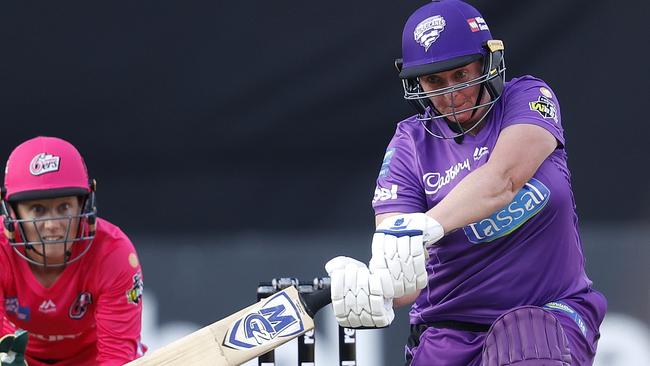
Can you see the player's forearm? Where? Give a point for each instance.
(406, 300)
(478, 195)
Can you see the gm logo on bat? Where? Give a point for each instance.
(279, 317)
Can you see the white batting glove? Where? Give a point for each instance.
(359, 298)
(400, 246)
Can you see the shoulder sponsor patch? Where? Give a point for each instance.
(385, 165)
(134, 294)
(385, 194)
(527, 203)
(545, 107)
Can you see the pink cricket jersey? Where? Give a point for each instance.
(90, 316)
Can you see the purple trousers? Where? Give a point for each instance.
(578, 317)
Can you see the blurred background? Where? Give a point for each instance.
(235, 142)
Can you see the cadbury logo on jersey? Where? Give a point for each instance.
(529, 201)
(433, 181)
(277, 318)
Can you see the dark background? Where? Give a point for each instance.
(205, 120)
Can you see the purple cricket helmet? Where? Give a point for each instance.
(444, 35)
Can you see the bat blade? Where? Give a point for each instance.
(244, 335)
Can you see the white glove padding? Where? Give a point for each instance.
(399, 246)
(360, 299)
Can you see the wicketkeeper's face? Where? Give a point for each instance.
(50, 226)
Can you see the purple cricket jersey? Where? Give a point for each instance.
(527, 253)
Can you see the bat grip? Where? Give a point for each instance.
(316, 300)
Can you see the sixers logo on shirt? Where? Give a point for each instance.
(529, 201)
(278, 318)
(80, 306)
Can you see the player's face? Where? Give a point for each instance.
(55, 224)
(458, 100)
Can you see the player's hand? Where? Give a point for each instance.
(12, 348)
(400, 246)
(359, 298)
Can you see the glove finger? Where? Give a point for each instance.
(351, 278)
(422, 281)
(336, 263)
(377, 246)
(390, 246)
(343, 321)
(338, 306)
(337, 285)
(341, 262)
(386, 283)
(366, 319)
(354, 320)
(377, 305)
(350, 303)
(377, 263)
(404, 246)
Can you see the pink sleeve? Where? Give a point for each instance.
(119, 305)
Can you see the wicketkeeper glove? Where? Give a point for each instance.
(400, 246)
(12, 348)
(359, 298)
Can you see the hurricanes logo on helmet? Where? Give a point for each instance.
(44, 163)
(428, 31)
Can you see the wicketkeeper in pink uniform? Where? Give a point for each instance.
(70, 282)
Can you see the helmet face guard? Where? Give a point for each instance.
(75, 247)
(491, 80)
(46, 168)
(444, 35)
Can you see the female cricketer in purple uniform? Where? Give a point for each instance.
(476, 220)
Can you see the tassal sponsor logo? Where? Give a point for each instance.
(528, 202)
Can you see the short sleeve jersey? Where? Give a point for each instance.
(527, 253)
(91, 315)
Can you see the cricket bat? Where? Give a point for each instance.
(245, 334)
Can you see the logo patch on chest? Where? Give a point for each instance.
(80, 306)
(433, 181)
(12, 306)
(47, 306)
(527, 203)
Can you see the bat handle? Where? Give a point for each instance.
(316, 300)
